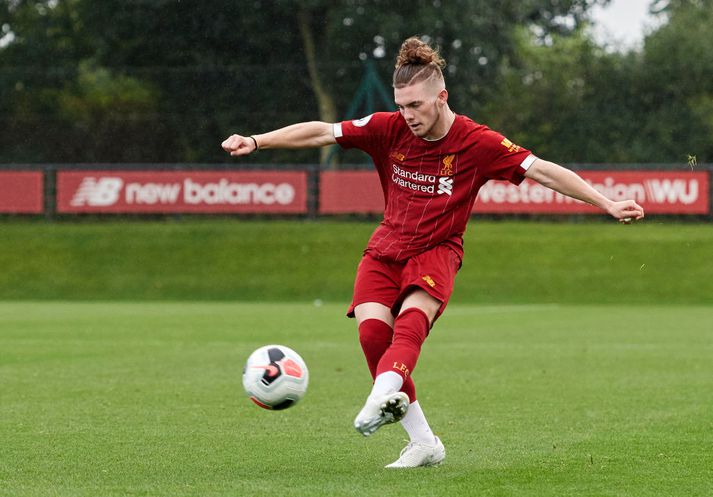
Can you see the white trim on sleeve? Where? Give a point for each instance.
(337, 129)
(528, 161)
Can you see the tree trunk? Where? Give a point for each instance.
(325, 101)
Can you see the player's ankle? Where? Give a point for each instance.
(386, 383)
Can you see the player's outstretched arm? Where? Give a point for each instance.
(302, 135)
(571, 184)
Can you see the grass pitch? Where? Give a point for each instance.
(125, 399)
(289, 261)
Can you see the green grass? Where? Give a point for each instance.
(144, 399)
(505, 262)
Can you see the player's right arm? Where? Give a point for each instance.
(569, 183)
(302, 135)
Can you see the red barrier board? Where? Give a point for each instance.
(343, 192)
(205, 192)
(21, 192)
(659, 192)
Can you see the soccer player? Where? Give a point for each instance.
(431, 163)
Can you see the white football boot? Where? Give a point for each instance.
(381, 411)
(415, 455)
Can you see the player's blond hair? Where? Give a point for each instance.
(417, 62)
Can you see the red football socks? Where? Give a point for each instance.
(375, 337)
(410, 330)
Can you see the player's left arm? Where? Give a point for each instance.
(571, 184)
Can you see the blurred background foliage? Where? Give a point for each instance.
(168, 80)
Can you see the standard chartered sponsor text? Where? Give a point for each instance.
(407, 179)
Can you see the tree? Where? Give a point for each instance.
(572, 101)
(474, 36)
(190, 72)
(674, 85)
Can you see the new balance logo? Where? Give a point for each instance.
(102, 192)
(445, 185)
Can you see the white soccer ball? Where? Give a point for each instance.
(275, 377)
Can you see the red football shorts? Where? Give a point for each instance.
(389, 283)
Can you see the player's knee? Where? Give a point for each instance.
(424, 302)
(374, 331)
(372, 310)
(411, 328)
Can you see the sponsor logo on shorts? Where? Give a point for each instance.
(429, 280)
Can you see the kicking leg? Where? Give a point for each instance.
(387, 403)
(375, 336)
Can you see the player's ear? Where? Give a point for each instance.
(443, 97)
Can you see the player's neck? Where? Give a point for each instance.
(442, 126)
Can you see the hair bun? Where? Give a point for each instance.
(416, 52)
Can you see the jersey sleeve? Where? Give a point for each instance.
(368, 133)
(504, 159)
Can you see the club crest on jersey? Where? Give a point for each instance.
(362, 122)
(510, 145)
(447, 168)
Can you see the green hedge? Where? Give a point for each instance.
(505, 262)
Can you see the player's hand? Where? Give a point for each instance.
(239, 145)
(626, 211)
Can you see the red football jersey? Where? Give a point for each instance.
(429, 186)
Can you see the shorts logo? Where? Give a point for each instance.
(359, 123)
(510, 145)
(447, 169)
(429, 280)
(445, 185)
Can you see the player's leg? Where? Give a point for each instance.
(428, 280)
(426, 285)
(394, 368)
(411, 328)
(418, 311)
(385, 405)
(376, 288)
(376, 329)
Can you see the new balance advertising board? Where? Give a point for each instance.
(182, 192)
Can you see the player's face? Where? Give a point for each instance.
(422, 106)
